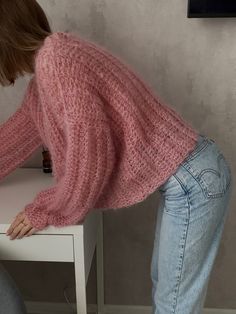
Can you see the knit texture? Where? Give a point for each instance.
(111, 140)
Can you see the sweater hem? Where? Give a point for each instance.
(152, 186)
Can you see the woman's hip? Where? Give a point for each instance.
(205, 170)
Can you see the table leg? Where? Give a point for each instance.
(80, 282)
(100, 268)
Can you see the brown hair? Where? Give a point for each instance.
(23, 28)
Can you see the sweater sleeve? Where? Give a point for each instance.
(88, 166)
(19, 138)
(89, 151)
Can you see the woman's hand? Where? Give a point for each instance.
(20, 227)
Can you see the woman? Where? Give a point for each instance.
(112, 143)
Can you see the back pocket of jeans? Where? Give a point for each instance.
(216, 179)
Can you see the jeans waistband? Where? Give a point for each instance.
(201, 141)
(202, 138)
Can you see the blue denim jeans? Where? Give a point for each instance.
(193, 208)
(11, 301)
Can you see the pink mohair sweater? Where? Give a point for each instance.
(111, 140)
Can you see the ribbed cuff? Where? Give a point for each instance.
(59, 220)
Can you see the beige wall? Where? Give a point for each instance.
(191, 65)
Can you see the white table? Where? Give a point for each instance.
(75, 243)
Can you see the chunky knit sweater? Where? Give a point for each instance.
(112, 141)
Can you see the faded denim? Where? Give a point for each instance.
(193, 208)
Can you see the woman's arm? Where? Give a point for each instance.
(88, 166)
(19, 137)
(89, 149)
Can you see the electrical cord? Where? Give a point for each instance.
(68, 301)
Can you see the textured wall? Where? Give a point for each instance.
(191, 65)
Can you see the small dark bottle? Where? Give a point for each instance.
(47, 163)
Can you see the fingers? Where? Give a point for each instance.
(32, 231)
(26, 220)
(23, 231)
(18, 219)
(20, 227)
(20, 231)
(17, 230)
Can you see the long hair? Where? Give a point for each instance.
(23, 28)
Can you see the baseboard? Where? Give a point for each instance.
(115, 309)
(64, 308)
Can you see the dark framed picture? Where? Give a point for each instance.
(211, 8)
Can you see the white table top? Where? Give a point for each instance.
(18, 189)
